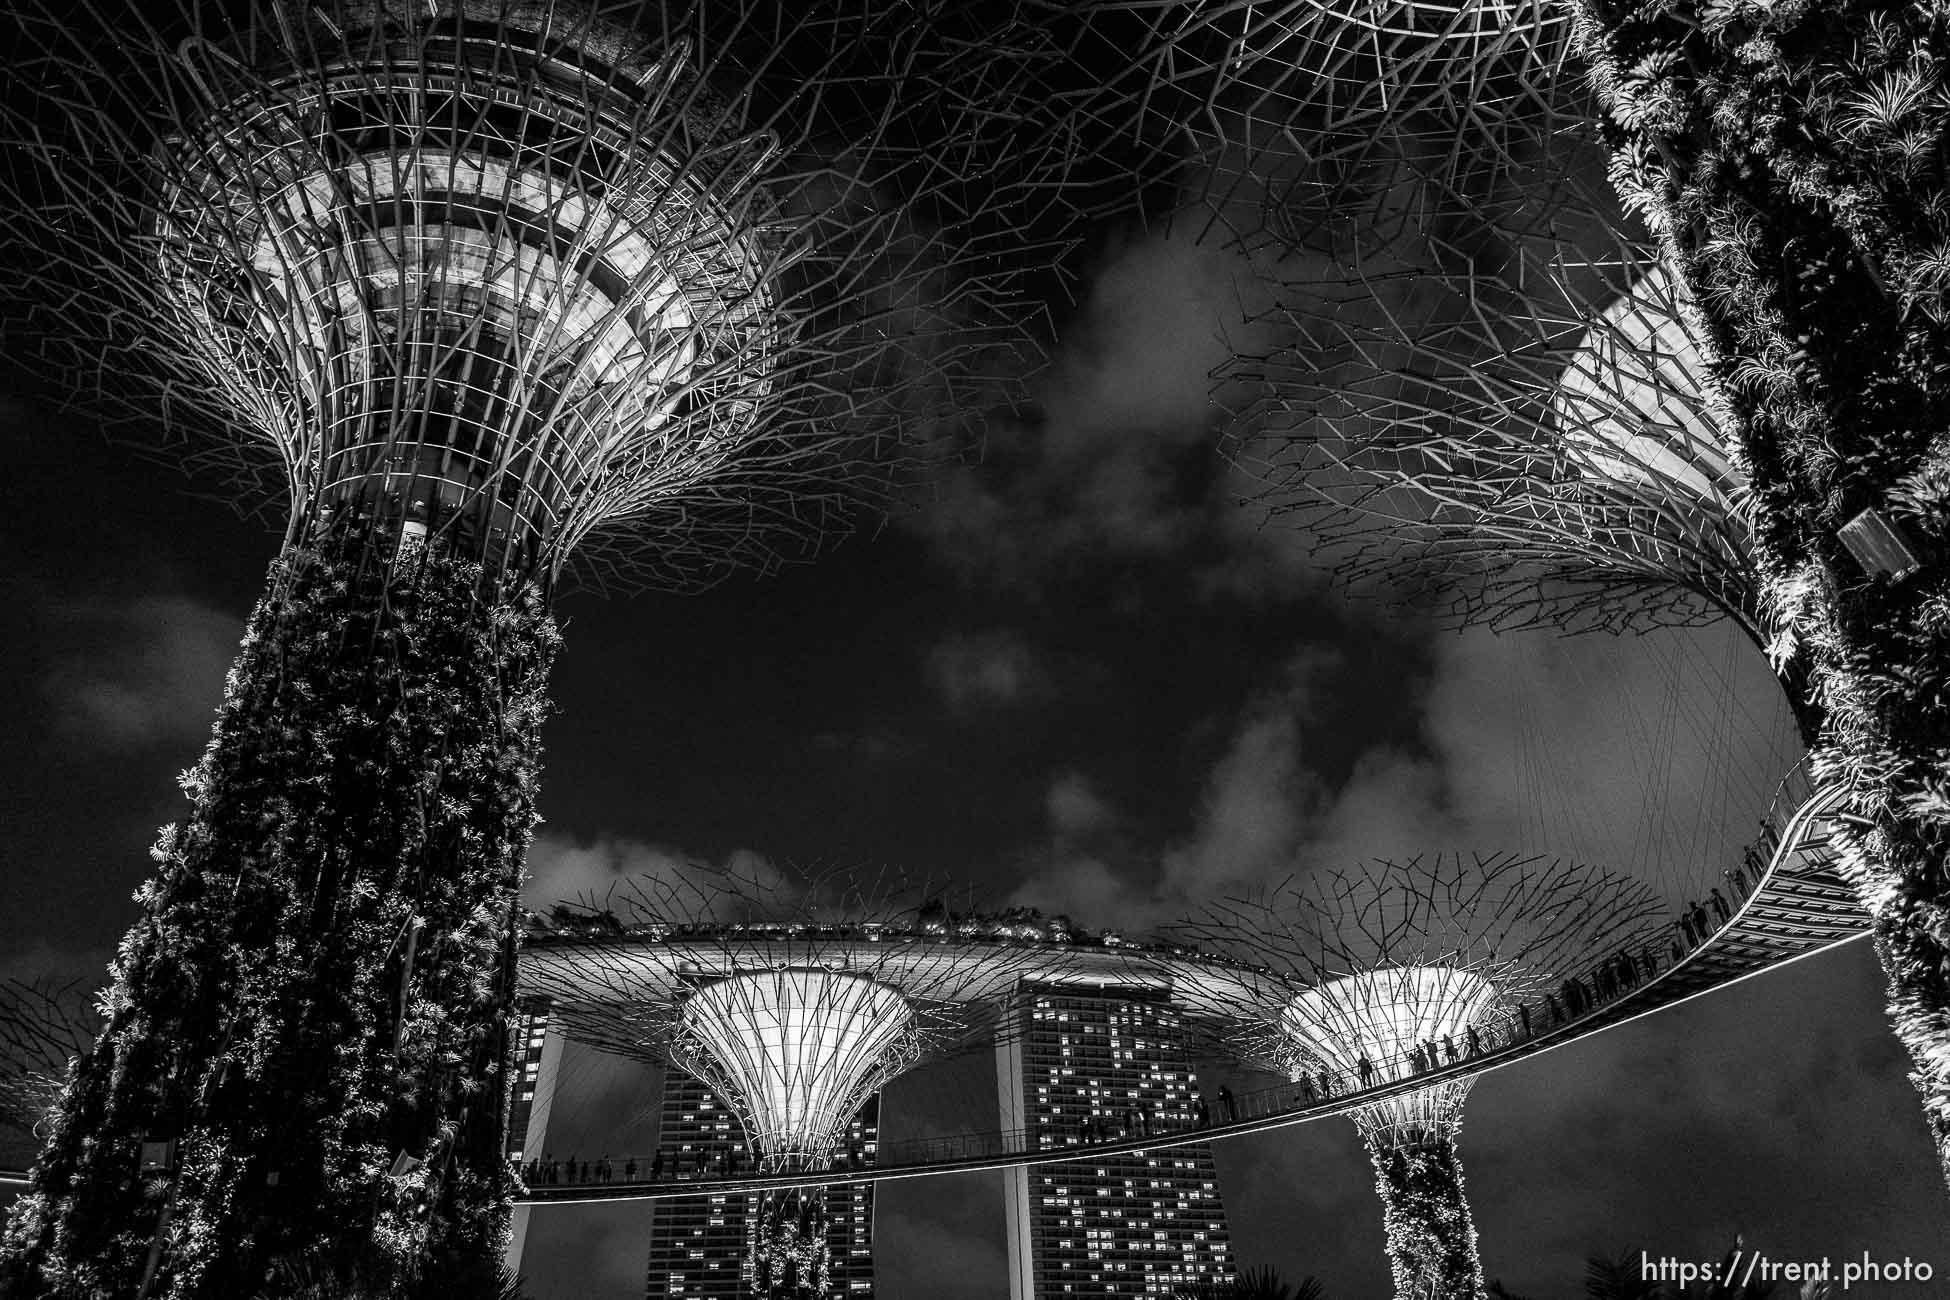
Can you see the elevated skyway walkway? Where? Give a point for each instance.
(1792, 903)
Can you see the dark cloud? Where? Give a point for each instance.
(146, 672)
(564, 869)
(1075, 808)
(975, 673)
(1115, 466)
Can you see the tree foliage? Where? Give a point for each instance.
(1432, 1248)
(313, 1005)
(1794, 159)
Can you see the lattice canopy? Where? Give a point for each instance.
(795, 1051)
(1632, 404)
(475, 279)
(1369, 1025)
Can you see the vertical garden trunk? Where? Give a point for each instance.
(1431, 1238)
(789, 1255)
(1794, 159)
(312, 1008)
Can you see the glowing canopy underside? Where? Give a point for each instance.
(796, 1052)
(1379, 1018)
(470, 285)
(1632, 403)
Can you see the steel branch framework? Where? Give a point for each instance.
(1791, 903)
(1397, 966)
(42, 1027)
(793, 999)
(683, 276)
(1265, 113)
(470, 287)
(793, 1002)
(1385, 958)
(1498, 404)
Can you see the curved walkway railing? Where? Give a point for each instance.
(1792, 905)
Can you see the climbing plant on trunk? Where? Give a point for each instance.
(313, 1006)
(1794, 160)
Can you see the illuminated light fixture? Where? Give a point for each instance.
(1879, 546)
(796, 1052)
(1380, 1017)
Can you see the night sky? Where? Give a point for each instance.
(1076, 674)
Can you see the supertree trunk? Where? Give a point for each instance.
(1795, 161)
(313, 1006)
(1431, 1237)
(790, 1260)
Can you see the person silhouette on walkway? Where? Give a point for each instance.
(1700, 922)
(1204, 1114)
(1475, 1042)
(657, 1165)
(1366, 1067)
(1228, 1104)
(1720, 905)
(1326, 1085)
(1523, 1014)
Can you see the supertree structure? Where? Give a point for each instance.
(43, 1025)
(1392, 965)
(1500, 409)
(1787, 163)
(1789, 160)
(471, 287)
(1262, 112)
(794, 1000)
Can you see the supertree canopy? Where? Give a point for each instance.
(1383, 1016)
(1480, 405)
(1393, 965)
(472, 288)
(799, 1049)
(793, 1000)
(1495, 404)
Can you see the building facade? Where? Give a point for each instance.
(536, 1064)
(699, 1245)
(1077, 1063)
